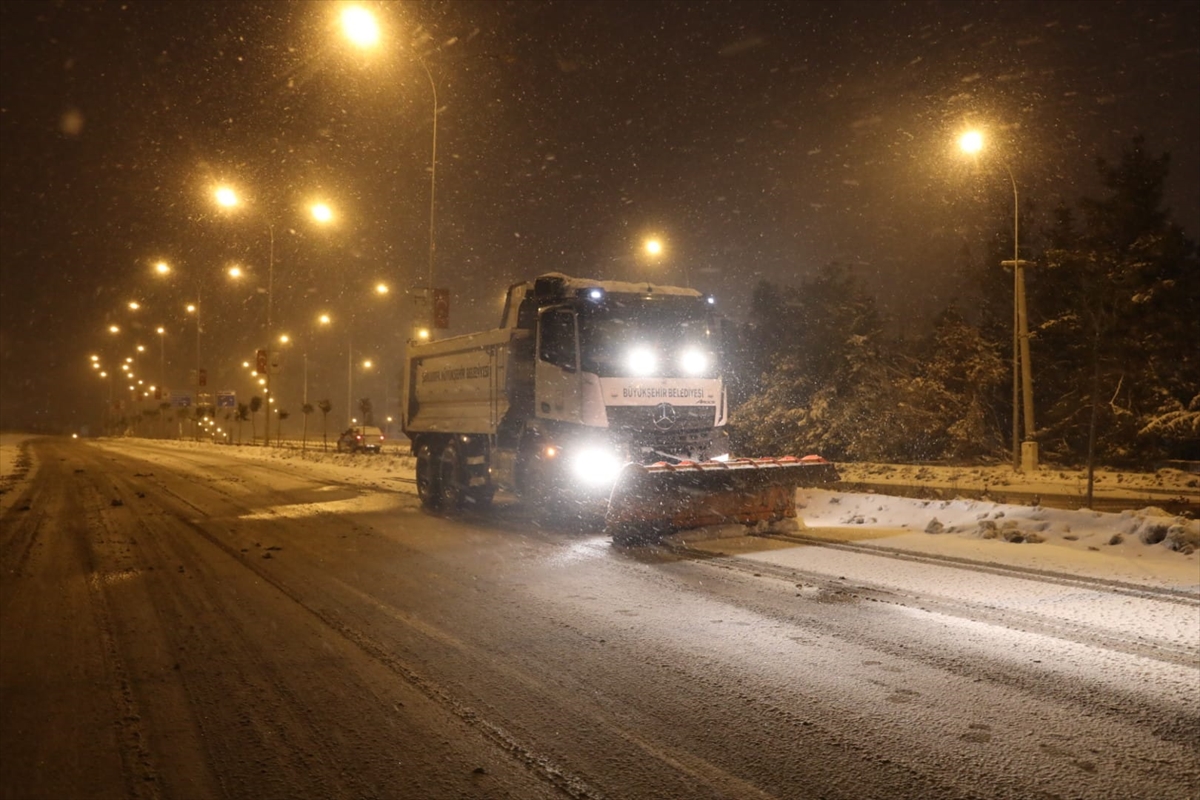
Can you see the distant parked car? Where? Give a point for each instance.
(360, 439)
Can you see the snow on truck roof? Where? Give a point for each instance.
(621, 287)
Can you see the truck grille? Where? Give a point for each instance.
(640, 420)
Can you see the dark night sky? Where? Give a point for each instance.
(760, 139)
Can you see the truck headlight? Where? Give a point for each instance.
(596, 466)
(693, 362)
(642, 361)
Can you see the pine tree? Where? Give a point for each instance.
(821, 371)
(1124, 287)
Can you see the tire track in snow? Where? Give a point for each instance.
(1171, 724)
(1027, 573)
(912, 597)
(540, 765)
(139, 767)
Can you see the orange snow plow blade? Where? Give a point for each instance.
(659, 498)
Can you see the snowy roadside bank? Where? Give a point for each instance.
(16, 466)
(1145, 546)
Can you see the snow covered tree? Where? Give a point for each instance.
(817, 371)
(1120, 298)
(1114, 310)
(956, 381)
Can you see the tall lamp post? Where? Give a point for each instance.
(106, 373)
(163, 268)
(323, 320)
(366, 364)
(227, 198)
(361, 28)
(349, 381)
(1024, 454)
(194, 308)
(162, 356)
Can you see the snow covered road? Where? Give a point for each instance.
(180, 622)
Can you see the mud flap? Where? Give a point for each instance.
(648, 501)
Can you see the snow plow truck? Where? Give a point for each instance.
(596, 398)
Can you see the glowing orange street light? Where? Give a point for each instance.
(360, 26)
(1023, 453)
(362, 29)
(226, 197)
(321, 213)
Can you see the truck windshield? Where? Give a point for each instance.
(667, 336)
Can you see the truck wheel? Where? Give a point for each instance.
(450, 479)
(480, 498)
(546, 499)
(428, 488)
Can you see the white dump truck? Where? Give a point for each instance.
(597, 396)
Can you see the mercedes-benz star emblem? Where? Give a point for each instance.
(664, 416)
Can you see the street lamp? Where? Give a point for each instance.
(163, 268)
(361, 28)
(226, 197)
(284, 339)
(366, 364)
(194, 308)
(1024, 454)
(321, 212)
(654, 249)
(162, 355)
(323, 321)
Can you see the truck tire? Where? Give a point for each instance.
(450, 483)
(480, 497)
(428, 486)
(546, 498)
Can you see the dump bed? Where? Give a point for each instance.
(465, 384)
